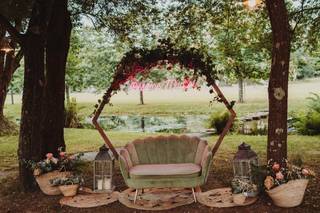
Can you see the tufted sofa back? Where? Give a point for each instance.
(166, 150)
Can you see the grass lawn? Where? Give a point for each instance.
(174, 109)
(179, 102)
(81, 140)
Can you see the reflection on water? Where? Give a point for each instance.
(136, 123)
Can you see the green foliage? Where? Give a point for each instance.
(304, 65)
(7, 127)
(218, 120)
(70, 180)
(314, 102)
(72, 119)
(16, 84)
(243, 186)
(308, 123)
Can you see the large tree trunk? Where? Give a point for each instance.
(241, 90)
(58, 39)
(278, 83)
(30, 143)
(30, 140)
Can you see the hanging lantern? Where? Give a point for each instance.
(251, 4)
(103, 168)
(5, 45)
(243, 162)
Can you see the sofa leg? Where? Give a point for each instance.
(135, 197)
(194, 195)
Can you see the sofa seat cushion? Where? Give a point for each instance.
(165, 170)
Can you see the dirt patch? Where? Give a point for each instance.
(13, 200)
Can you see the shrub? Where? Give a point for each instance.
(308, 123)
(72, 119)
(218, 120)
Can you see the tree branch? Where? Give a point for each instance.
(16, 36)
(17, 59)
(304, 10)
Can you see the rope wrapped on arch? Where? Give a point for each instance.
(143, 60)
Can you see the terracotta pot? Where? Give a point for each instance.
(289, 194)
(44, 184)
(69, 190)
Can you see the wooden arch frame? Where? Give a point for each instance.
(141, 61)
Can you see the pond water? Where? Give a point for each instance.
(137, 123)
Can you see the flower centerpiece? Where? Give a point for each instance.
(68, 185)
(286, 185)
(241, 189)
(53, 167)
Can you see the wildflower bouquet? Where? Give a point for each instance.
(64, 162)
(278, 175)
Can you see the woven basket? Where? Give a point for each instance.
(289, 194)
(69, 190)
(239, 198)
(44, 184)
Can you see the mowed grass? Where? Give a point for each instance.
(165, 109)
(179, 102)
(83, 140)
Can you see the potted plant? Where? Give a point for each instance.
(53, 167)
(67, 185)
(241, 189)
(286, 185)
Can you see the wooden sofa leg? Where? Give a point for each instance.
(135, 197)
(194, 195)
(198, 189)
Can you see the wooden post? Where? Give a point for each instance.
(230, 121)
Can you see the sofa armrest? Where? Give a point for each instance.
(124, 167)
(125, 162)
(206, 162)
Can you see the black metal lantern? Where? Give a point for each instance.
(243, 162)
(103, 168)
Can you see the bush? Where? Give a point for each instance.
(308, 123)
(72, 119)
(218, 120)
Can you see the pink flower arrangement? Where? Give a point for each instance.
(278, 174)
(62, 154)
(49, 155)
(64, 162)
(276, 167)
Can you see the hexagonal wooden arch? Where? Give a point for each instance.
(140, 61)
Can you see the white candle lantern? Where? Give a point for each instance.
(103, 168)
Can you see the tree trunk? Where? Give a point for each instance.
(59, 30)
(141, 97)
(30, 140)
(278, 83)
(8, 64)
(241, 90)
(30, 143)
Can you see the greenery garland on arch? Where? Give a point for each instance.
(143, 60)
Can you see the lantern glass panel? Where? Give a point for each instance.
(103, 171)
(243, 161)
